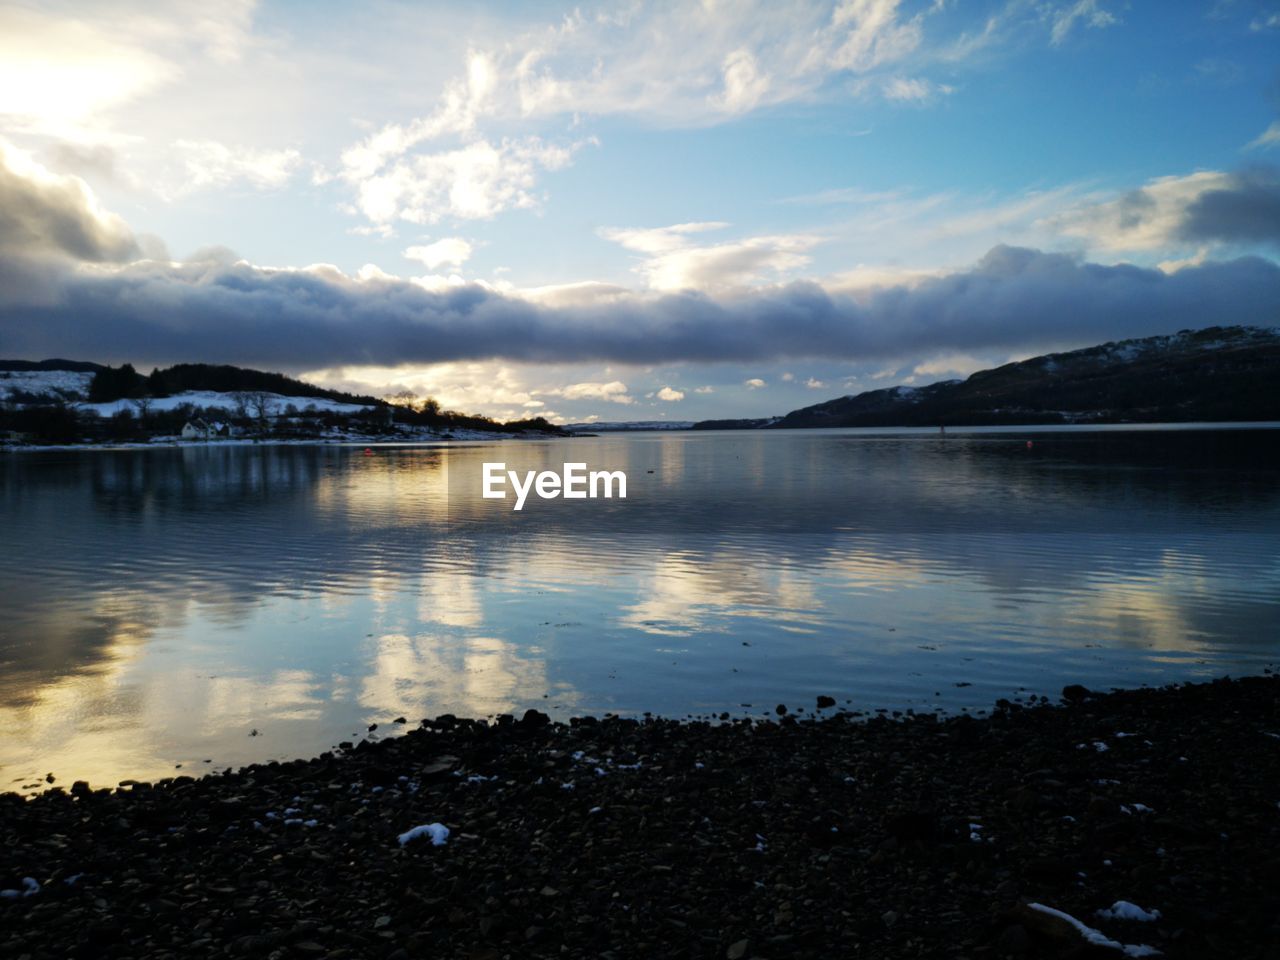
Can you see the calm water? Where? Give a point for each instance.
(157, 607)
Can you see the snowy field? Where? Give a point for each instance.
(63, 382)
(44, 382)
(227, 401)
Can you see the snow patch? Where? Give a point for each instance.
(1124, 910)
(438, 833)
(1097, 937)
(30, 887)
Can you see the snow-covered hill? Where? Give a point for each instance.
(64, 384)
(277, 403)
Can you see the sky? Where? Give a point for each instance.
(632, 211)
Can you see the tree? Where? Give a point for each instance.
(116, 383)
(257, 403)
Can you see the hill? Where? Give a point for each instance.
(1216, 374)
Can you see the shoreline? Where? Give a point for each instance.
(794, 837)
(470, 436)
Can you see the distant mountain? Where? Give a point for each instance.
(605, 426)
(26, 366)
(1220, 373)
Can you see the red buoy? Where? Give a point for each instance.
(368, 452)
(1028, 445)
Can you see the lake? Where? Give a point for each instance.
(212, 606)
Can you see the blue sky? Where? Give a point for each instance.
(633, 211)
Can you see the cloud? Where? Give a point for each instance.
(960, 364)
(473, 182)
(64, 75)
(704, 390)
(1087, 12)
(450, 250)
(744, 84)
(1208, 205)
(66, 290)
(43, 213)
(673, 262)
(209, 163)
(614, 392)
(670, 395)
(677, 64)
(1246, 209)
(813, 383)
(57, 74)
(1268, 137)
(755, 383)
(157, 312)
(914, 89)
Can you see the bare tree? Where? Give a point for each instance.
(143, 405)
(261, 404)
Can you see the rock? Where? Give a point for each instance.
(534, 719)
(1013, 941)
(824, 702)
(1074, 693)
(737, 950)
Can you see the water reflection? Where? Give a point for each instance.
(161, 605)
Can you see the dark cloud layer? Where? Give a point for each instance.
(1013, 299)
(1246, 212)
(58, 299)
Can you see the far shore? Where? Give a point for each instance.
(473, 436)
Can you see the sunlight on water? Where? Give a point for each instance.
(173, 606)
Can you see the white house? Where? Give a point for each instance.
(196, 429)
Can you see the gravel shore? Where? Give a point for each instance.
(1037, 831)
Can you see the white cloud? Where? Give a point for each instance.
(960, 364)
(451, 250)
(614, 392)
(788, 377)
(813, 383)
(681, 63)
(755, 383)
(872, 34)
(744, 84)
(494, 389)
(658, 240)
(1087, 12)
(704, 390)
(914, 89)
(58, 74)
(460, 105)
(1145, 219)
(1268, 137)
(670, 395)
(209, 163)
(673, 262)
(473, 182)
